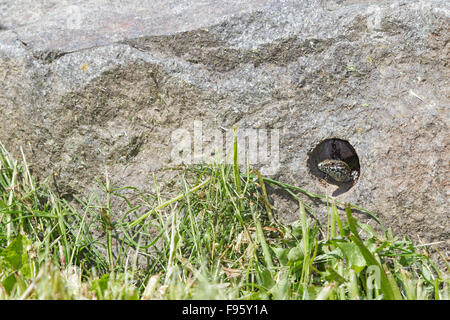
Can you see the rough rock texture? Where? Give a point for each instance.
(94, 86)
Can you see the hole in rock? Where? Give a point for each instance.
(338, 161)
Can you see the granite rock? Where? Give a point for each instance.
(93, 86)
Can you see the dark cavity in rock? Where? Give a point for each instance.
(334, 149)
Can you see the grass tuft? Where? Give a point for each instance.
(217, 239)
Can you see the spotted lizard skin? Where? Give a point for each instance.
(338, 170)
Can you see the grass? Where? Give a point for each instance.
(219, 238)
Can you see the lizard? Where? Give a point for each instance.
(338, 170)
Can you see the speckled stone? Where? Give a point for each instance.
(100, 86)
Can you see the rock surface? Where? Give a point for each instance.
(96, 86)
